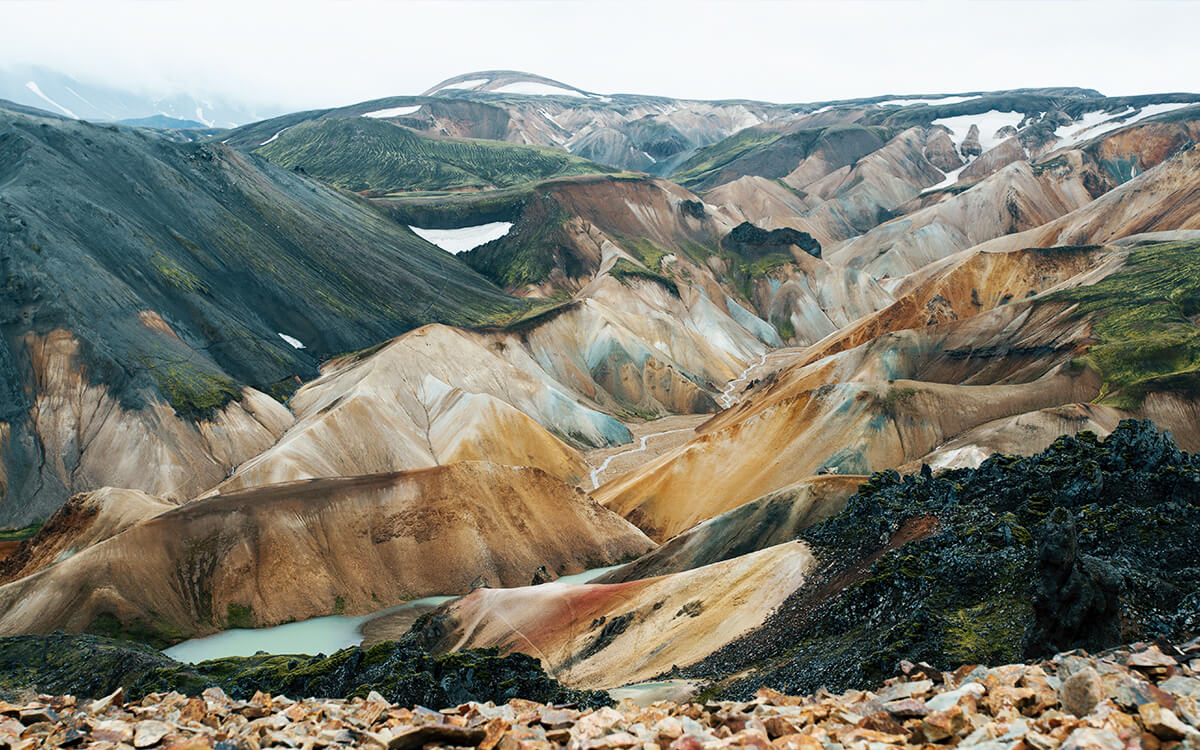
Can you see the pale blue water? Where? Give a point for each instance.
(320, 635)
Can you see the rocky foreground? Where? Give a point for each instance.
(1145, 696)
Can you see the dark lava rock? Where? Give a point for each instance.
(750, 241)
(91, 667)
(1076, 599)
(694, 209)
(1087, 544)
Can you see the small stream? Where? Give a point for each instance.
(729, 396)
(596, 472)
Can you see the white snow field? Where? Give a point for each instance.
(34, 88)
(464, 238)
(393, 112)
(989, 122)
(536, 88)
(943, 100)
(463, 85)
(291, 340)
(1094, 124)
(272, 138)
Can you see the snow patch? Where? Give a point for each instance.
(78, 96)
(651, 158)
(989, 123)
(200, 117)
(931, 102)
(951, 178)
(536, 88)
(34, 88)
(393, 112)
(464, 238)
(272, 138)
(1094, 124)
(294, 342)
(465, 85)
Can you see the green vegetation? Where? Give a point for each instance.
(157, 634)
(772, 154)
(711, 159)
(533, 249)
(193, 391)
(239, 616)
(450, 209)
(369, 155)
(176, 275)
(786, 329)
(623, 270)
(1144, 319)
(9, 535)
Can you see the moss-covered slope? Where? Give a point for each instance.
(368, 155)
(1145, 323)
(773, 153)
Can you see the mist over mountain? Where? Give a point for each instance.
(48, 89)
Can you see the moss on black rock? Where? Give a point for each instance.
(403, 672)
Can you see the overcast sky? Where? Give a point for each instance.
(298, 54)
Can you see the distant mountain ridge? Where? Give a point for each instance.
(47, 89)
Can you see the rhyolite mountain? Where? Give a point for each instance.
(842, 383)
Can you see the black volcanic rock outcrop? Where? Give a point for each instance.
(751, 241)
(1084, 545)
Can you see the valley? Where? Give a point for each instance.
(603, 390)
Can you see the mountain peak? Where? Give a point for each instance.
(508, 82)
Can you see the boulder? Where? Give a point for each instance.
(1081, 692)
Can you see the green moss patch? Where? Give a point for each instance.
(192, 391)
(1144, 319)
(623, 270)
(378, 157)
